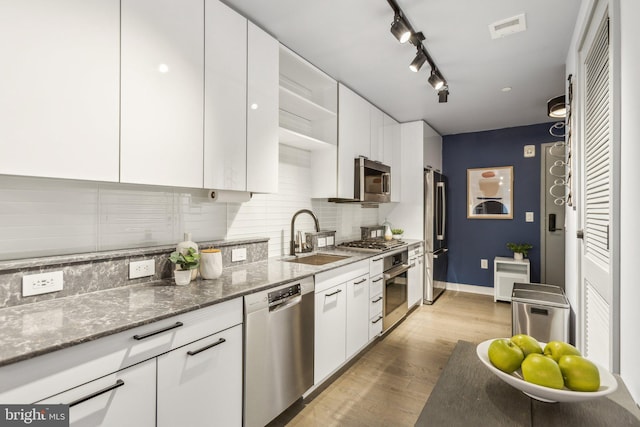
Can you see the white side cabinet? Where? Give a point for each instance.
(357, 314)
(392, 155)
(126, 397)
(162, 45)
(204, 374)
(225, 100)
(376, 142)
(375, 296)
(415, 276)
(506, 272)
(330, 331)
(60, 89)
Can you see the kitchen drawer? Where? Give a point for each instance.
(376, 265)
(376, 285)
(375, 326)
(375, 306)
(328, 279)
(32, 380)
(415, 251)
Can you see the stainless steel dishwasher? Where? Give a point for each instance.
(278, 361)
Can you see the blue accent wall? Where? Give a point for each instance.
(470, 240)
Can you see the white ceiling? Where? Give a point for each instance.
(351, 41)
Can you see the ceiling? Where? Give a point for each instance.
(350, 40)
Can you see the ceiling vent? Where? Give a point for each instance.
(508, 26)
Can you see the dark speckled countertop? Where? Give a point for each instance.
(39, 328)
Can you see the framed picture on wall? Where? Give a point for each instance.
(490, 193)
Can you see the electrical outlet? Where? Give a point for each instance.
(43, 283)
(529, 150)
(143, 268)
(484, 264)
(239, 255)
(528, 217)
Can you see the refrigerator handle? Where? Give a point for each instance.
(441, 211)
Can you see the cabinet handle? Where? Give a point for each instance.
(376, 300)
(377, 259)
(207, 347)
(333, 293)
(361, 281)
(159, 331)
(377, 320)
(377, 280)
(118, 383)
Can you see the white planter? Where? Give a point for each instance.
(517, 256)
(182, 277)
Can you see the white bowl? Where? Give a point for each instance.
(608, 383)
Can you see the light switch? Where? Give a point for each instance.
(528, 217)
(484, 264)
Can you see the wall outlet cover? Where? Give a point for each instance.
(142, 268)
(43, 283)
(528, 217)
(239, 255)
(529, 150)
(484, 264)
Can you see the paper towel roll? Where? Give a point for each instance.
(224, 196)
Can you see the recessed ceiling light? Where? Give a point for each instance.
(506, 89)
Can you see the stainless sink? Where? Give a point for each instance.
(317, 259)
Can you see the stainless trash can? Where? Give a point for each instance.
(541, 311)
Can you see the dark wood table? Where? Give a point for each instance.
(468, 394)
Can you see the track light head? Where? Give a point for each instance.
(436, 80)
(418, 61)
(400, 29)
(556, 107)
(443, 95)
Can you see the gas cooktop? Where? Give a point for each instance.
(372, 245)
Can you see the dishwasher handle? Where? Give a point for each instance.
(286, 303)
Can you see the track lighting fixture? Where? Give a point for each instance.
(556, 107)
(420, 59)
(436, 80)
(400, 29)
(403, 31)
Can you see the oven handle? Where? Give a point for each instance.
(390, 274)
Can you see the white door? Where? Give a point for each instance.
(598, 258)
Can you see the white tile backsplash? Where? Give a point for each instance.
(40, 217)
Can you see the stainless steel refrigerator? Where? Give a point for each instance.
(435, 235)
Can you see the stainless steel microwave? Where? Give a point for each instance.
(372, 183)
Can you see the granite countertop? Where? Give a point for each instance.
(39, 328)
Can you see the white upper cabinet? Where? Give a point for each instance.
(59, 88)
(376, 142)
(392, 155)
(354, 132)
(262, 111)
(432, 149)
(162, 92)
(225, 101)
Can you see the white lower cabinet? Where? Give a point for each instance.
(330, 331)
(415, 276)
(124, 398)
(357, 314)
(200, 384)
(375, 306)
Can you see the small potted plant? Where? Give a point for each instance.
(185, 262)
(397, 233)
(520, 250)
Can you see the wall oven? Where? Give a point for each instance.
(396, 269)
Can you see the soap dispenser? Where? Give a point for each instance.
(182, 247)
(388, 235)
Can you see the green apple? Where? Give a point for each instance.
(579, 373)
(505, 355)
(527, 344)
(542, 370)
(556, 349)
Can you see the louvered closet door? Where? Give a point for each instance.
(596, 204)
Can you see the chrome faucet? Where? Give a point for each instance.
(293, 246)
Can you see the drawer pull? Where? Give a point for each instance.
(377, 259)
(361, 281)
(377, 280)
(377, 320)
(159, 331)
(194, 352)
(118, 383)
(377, 300)
(333, 293)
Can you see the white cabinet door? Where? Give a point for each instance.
(125, 398)
(357, 314)
(330, 331)
(225, 100)
(162, 92)
(376, 143)
(414, 286)
(262, 111)
(392, 155)
(354, 130)
(59, 86)
(200, 384)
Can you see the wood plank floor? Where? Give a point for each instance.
(389, 384)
